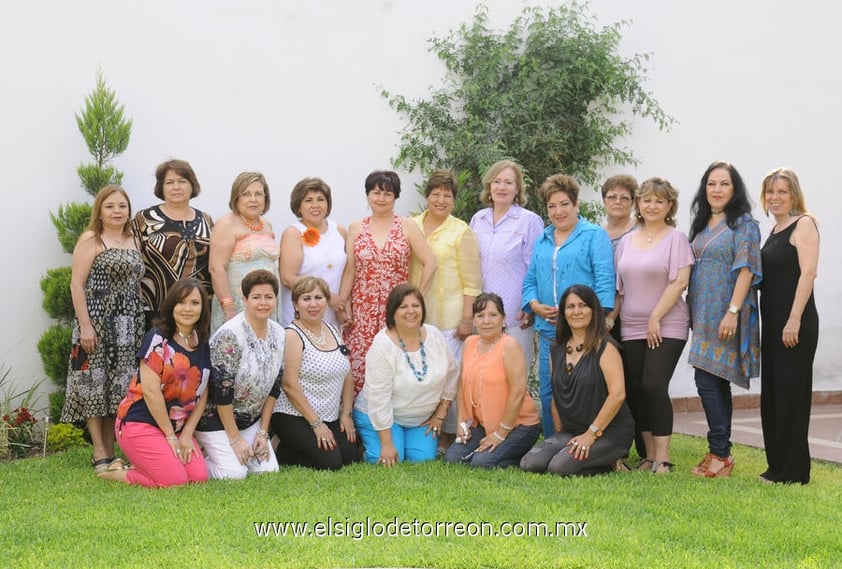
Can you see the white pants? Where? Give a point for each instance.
(455, 345)
(223, 463)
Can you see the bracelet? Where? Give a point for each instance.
(439, 418)
(316, 423)
(235, 441)
(263, 433)
(505, 426)
(498, 437)
(172, 437)
(226, 301)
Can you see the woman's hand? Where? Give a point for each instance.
(260, 448)
(346, 425)
(580, 445)
(87, 338)
(433, 424)
(653, 334)
(525, 319)
(465, 329)
(463, 434)
(184, 449)
(790, 332)
(548, 313)
(324, 437)
(388, 455)
(242, 450)
(491, 441)
(727, 326)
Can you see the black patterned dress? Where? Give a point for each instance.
(96, 383)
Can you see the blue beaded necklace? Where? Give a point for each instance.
(424, 367)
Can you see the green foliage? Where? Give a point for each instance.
(57, 300)
(18, 424)
(70, 221)
(552, 92)
(63, 436)
(56, 399)
(54, 348)
(106, 132)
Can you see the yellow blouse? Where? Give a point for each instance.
(458, 275)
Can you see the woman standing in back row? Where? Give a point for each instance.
(723, 304)
(790, 328)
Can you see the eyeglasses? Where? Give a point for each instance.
(617, 198)
(249, 195)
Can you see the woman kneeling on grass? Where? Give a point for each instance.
(167, 396)
(247, 354)
(498, 421)
(593, 425)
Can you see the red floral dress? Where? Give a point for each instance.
(377, 272)
(184, 376)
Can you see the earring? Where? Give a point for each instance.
(295, 314)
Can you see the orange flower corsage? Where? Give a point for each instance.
(311, 237)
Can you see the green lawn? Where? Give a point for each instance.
(56, 513)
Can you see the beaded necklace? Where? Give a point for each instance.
(569, 350)
(424, 367)
(257, 228)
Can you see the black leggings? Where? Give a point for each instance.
(650, 372)
(298, 444)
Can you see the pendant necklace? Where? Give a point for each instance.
(569, 349)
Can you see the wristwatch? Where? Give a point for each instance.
(733, 309)
(595, 430)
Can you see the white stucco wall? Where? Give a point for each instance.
(291, 89)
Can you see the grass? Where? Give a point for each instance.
(55, 513)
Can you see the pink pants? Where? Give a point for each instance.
(155, 464)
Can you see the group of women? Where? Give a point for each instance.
(391, 343)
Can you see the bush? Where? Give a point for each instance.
(54, 348)
(63, 436)
(56, 399)
(70, 222)
(552, 92)
(58, 302)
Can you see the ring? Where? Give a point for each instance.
(575, 443)
(584, 447)
(435, 429)
(324, 438)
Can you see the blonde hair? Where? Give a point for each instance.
(492, 172)
(799, 206)
(95, 224)
(662, 189)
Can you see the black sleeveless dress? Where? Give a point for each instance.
(787, 373)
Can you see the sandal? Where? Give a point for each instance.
(643, 464)
(662, 467)
(713, 466)
(621, 466)
(118, 463)
(102, 464)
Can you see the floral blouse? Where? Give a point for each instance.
(184, 376)
(245, 370)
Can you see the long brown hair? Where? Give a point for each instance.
(596, 332)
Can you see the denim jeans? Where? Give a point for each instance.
(545, 384)
(715, 394)
(508, 453)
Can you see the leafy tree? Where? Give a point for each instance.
(106, 131)
(552, 92)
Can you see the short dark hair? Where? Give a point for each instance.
(396, 298)
(482, 301)
(180, 167)
(179, 290)
(386, 180)
(440, 179)
(596, 331)
(307, 284)
(304, 187)
(258, 277)
(560, 183)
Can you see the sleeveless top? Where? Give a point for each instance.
(580, 394)
(321, 376)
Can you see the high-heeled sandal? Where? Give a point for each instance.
(713, 466)
(643, 464)
(662, 467)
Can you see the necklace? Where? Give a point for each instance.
(187, 337)
(320, 340)
(569, 349)
(424, 367)
(257, 228)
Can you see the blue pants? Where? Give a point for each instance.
(508, 453)
(412, 444)
(715, 394)
(544, 384)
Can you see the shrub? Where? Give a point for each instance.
(63, 436)
(57, 300)
(70, 222)
(54, 348)
(56, 399)
(552, 92)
